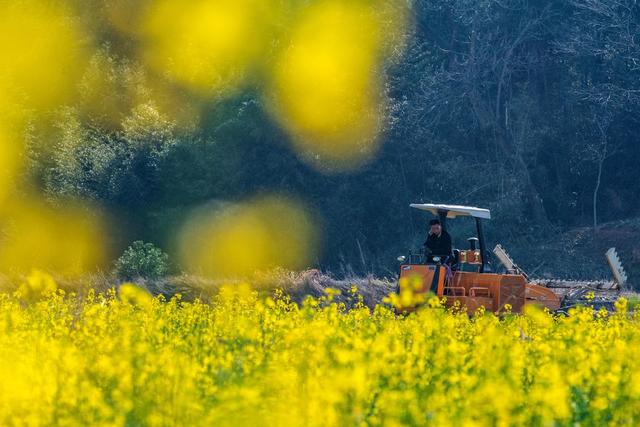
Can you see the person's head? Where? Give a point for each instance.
(436, 226)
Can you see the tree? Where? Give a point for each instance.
(117, 167)
(602, 152)
(603, 46)
(142, 260)
(481, 68)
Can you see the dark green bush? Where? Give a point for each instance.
(142, 260)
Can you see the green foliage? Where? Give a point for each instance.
(118, 167)
(142, 260)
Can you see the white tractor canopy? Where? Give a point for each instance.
(453, 210)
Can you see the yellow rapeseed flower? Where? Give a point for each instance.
(244, 358)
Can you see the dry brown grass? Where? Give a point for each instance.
(297, 285)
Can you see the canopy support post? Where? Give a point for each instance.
(483, 249)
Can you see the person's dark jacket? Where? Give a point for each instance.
(439, 245)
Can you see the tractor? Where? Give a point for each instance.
(466, 279)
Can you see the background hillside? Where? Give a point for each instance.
(529, 108)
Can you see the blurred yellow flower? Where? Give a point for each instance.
(10, 159)
(327, 85)
(41, 53)
(239, 240)
(66, 240)
(37, 285)
(208, 46)
(135, 295)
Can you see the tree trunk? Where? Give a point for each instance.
(601, 159)
(533, 201)
(602, 156)
(595, 197)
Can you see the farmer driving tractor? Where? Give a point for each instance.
(438, 243)
(463, 277)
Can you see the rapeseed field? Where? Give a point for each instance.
(249, 358)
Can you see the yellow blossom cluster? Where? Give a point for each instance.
(128, 358)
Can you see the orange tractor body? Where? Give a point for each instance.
(465, 280)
